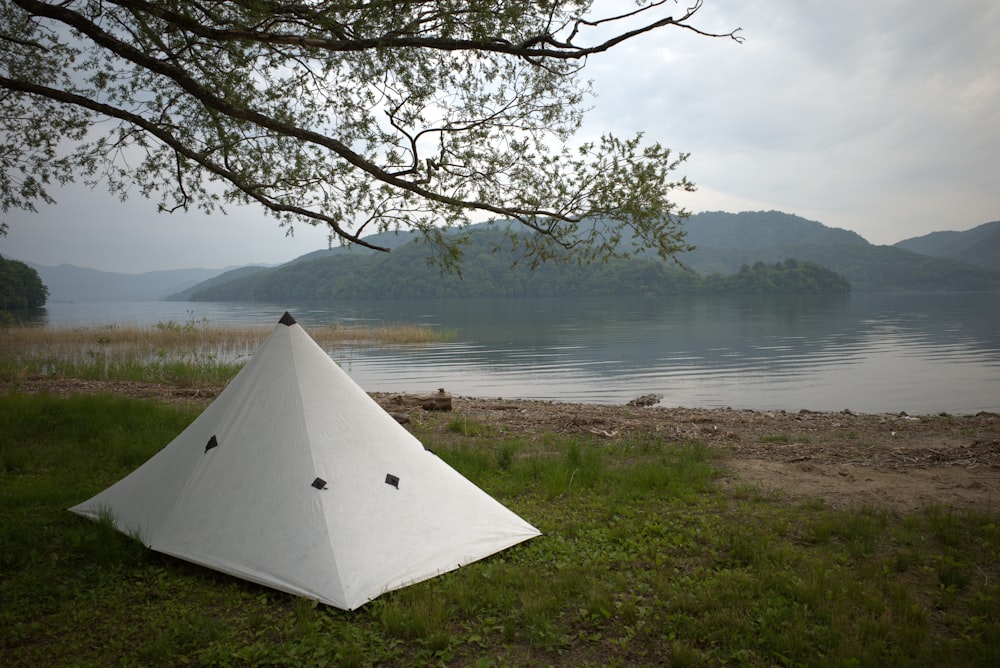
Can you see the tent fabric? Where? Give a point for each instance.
(294, 478)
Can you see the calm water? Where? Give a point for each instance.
(867, 353)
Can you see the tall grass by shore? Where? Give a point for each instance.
(645, 559)
(183, 354)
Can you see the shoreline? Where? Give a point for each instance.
(141, 389)
(897, 461)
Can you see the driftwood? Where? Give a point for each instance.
(645, 400)
(438, 401)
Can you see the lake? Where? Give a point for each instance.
(867, 353)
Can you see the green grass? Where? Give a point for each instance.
(644, 560)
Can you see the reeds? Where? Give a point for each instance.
(190, 353)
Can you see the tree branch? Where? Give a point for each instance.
(536, 47)
(181, 149)
(282, 104)
(213, 101)
(14, 40)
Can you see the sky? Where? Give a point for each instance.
(881, 117)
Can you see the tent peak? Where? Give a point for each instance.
(287, 319)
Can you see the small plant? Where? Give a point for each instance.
(304, 616)
(945, 526)
(505, 456)
(951, 573)
(462, 425)
(416, 615)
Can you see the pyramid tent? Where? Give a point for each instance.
(294, 478)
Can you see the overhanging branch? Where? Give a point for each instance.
(181, 149)
(536, 48)
(213, 101)
(262, 98)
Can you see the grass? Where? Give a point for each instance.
(186, 354)
(644, 560)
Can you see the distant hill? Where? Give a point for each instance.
(405, 273)
(979, 246)
(726, 241)
(735, 252)
(753, 247)
(389, 240)
(757, 230)
(236, 284)
(68, 283)
(226, 277)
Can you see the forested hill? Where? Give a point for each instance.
(726, 241)
(761, 230)
(405, 273)
(747, 252)
(979, 246)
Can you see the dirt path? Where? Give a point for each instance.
(898, 461)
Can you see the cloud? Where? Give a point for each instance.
(881, 118)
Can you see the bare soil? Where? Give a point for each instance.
(900, 461)
(897, 461)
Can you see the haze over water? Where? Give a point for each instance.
(867, 353)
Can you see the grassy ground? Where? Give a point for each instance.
(645, 560)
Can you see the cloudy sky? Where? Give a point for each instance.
(882, 117)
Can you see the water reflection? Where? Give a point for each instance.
(918, 353)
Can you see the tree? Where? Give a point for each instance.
(361, 115)
(20, 286)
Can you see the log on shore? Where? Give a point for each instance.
(437, 401)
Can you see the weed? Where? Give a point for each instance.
(505, 456)
(304, 617)
(945, 526)
(462, 425)
(416, 615)
(952, 573)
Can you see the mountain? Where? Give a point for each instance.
(979, 246)
(226, 277)
(390, 240)
(235, 284)
(405, 274)
(726, 241)
(68, 283)
(756, 230)
(744, 252)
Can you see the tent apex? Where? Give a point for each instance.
(287, 319)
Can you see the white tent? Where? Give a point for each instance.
(296, 479)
